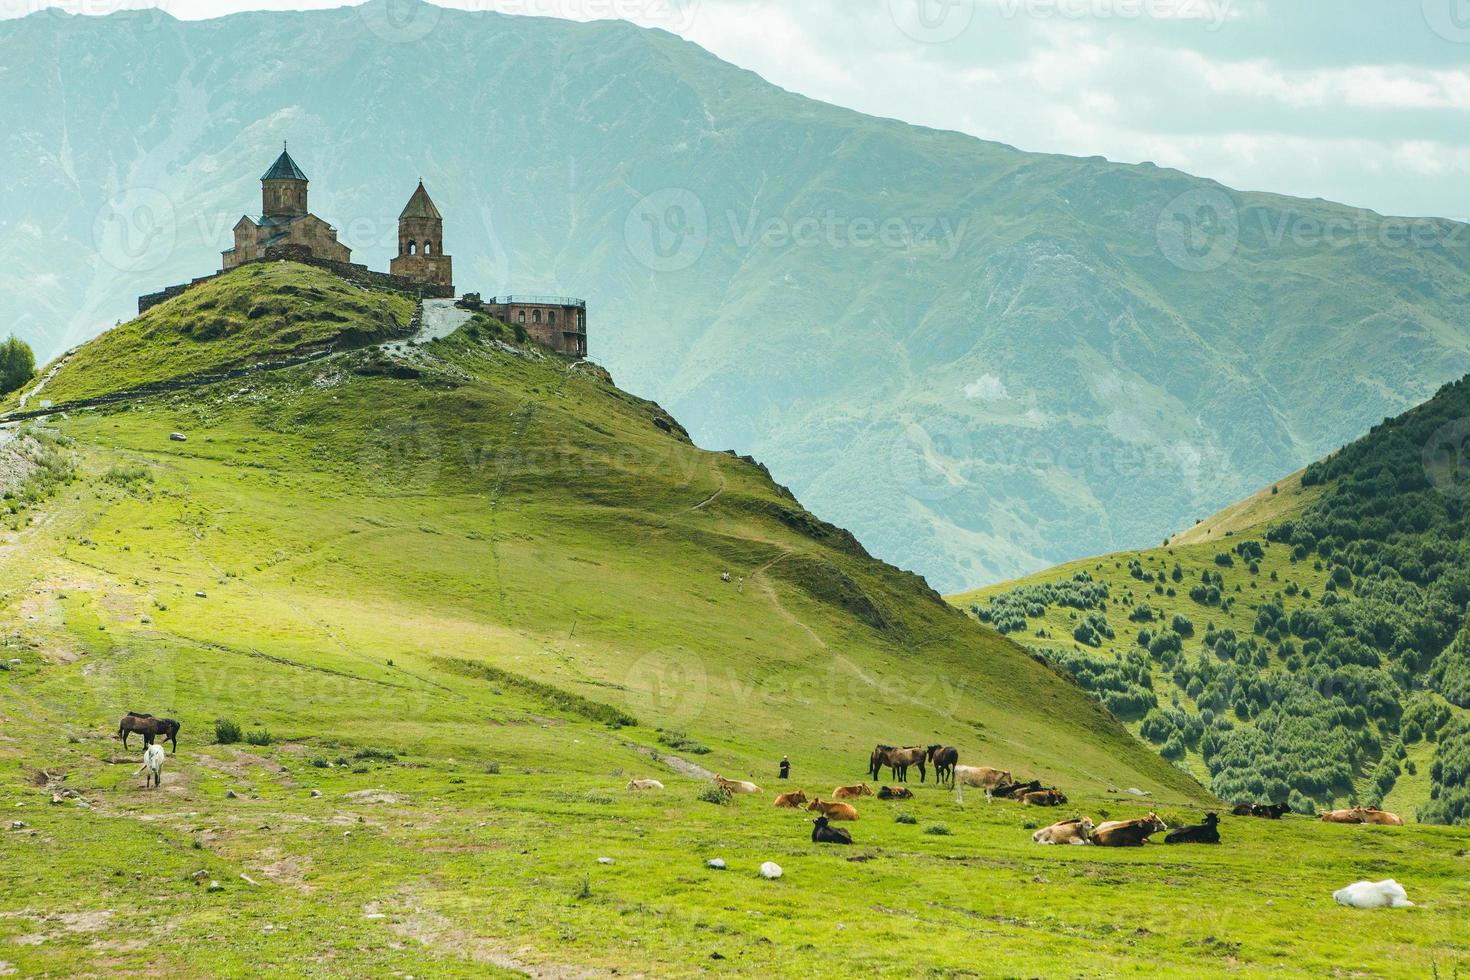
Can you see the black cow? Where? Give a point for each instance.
(1207, 833)
(823, 833)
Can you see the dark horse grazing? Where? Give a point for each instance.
(944, 758)
(149, 727)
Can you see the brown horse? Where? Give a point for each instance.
(898, 761)
(944, 758)
(149, 727)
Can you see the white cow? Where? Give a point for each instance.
(639, 784)
(737, 785)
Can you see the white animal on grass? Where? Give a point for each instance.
(153, 762)
(637, 784)
(1373, 895)
(737, 785)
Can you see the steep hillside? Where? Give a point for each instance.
(465, 590)
(1308, 643)
(983, 361)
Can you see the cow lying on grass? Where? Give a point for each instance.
(1128, 833)
(1077, 831)
(895, 793)
(736, 785)
(1273, 812)
(833, 811)
(851, 792)
(644, 784)
(822, 833)
(1206, 833)
(791, 801)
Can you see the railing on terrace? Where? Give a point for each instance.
(580, 304)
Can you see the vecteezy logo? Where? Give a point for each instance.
(1450, 19)
(668, 230)
(932, 21)
(932, 460)
(1199, 230)
(401, 455)
(1447, 458)
(667, 687)
(400, 21)
(136, 229)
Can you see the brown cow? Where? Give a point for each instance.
(833, 811)
(792, 801)
(1377, 817)
(1044, 797)
(1014, 791)
(852, 792)
(1342, 816)
(895, 793)
(1128, 833)
(1077, 831)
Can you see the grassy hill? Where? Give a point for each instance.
(1305, 644)
(454, 596)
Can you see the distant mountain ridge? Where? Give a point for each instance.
(982, 361)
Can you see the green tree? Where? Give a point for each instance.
(17, 364)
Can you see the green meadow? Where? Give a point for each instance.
(454, 597)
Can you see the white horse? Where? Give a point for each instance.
(153, 762)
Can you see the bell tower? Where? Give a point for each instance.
(421, 243)
(283, 189)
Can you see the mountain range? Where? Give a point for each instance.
(983, 361)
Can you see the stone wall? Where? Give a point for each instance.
(557, 322)
(358, 274)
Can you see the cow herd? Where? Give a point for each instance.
(1001, 784)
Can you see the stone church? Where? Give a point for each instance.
(284, 220)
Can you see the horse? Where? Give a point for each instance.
(153, 762)
(944, 758)
(149, 727)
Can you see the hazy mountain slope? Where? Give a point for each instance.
(1307, 643)
(979, 359)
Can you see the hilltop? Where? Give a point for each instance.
(1306, 644)
(1050, 356)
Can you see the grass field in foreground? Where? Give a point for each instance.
(329, 545)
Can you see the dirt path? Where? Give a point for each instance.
(769, 591)
(710, 499)
(60, 363)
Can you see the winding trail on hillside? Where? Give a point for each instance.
(61, 362)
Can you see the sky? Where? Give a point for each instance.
(1366, 102)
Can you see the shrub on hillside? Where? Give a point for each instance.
(17, 364)
(226, 732)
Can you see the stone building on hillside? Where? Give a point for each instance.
(284, 220)
(287, 231)
(421, 243)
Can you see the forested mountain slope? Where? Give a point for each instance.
(1321, 654)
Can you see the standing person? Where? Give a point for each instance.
(785, 768)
